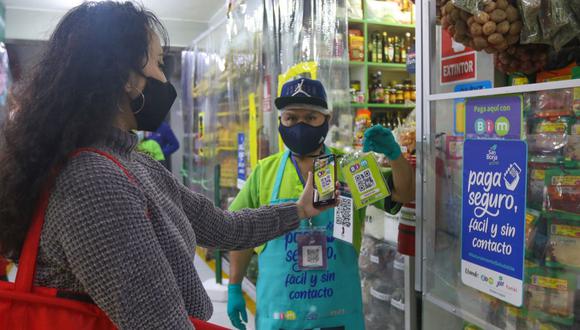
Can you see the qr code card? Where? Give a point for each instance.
(343, 219)
(312, 250)
(364, 181)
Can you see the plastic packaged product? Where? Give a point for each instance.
(363, 176)
(532, 217)
(380, 304)
(397, 319)
(552, 17)
(563, 240)
(364, 261)
(536, 181)
(547, 144)
(470, 6)
(531, 31)
(553, 125)
(550, 295)
(398, 277)
(563, 190)
(572, 149)
(554, 103)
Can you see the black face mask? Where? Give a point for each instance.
(151, 108)
(302, 138)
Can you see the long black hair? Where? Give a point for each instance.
(69, 101)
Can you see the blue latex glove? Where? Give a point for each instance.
(237, 306)
(380, 139)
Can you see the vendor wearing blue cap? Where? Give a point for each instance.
(289, 297)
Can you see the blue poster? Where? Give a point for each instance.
(493, 217)
(241, 160)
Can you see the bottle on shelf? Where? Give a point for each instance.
(391, 51)
(397, 57)
(379, 47)
(377, 91)
(371, 50)
(385, 47)
(405, 48)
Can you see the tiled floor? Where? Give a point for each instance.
(220, 315)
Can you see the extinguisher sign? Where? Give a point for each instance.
(458, 68)
(458, 62)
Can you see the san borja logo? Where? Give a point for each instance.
(492, 156)
(356, 167)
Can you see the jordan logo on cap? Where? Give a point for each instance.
(298, 89)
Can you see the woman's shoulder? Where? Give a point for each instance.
(89, 169)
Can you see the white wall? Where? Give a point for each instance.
(32, 24)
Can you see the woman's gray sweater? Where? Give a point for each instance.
(131, 245)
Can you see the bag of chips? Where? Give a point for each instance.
(563, 240)
(550, 295)
(563, 190)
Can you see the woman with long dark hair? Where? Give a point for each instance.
(118, 227)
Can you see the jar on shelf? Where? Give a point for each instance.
(392, 96)
(407, 93)
(400, 94)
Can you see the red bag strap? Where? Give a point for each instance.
(29, 253)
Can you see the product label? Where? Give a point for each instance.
(374, 259)
(379, 295)
(538, 174)
(399, 265)
(548, 127)
(550, 283)
(565, 230)
(566, 180)
(529, 218)
(493, 217)
(398, 304)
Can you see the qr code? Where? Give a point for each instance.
(312, 255)
(325, 182)
(344, 212)
(364, 180)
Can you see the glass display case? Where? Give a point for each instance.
(498, 190)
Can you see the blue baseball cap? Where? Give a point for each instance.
(302, 91)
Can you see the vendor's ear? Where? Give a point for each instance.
(329, 117)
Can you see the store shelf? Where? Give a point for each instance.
(388, 66)
(391, 26)
(356, 63)
(356, 21)
(383, 106)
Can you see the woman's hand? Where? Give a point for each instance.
(305, 204)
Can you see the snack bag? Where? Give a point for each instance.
(536, 181)
(572, 150)
(553, 103)
(532, 219)
(551, 295)
(563, 240)
(363, 176)
(563, 190)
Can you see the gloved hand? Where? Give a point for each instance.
(381, 139)
(237, 306)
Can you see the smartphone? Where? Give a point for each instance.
(325, 180)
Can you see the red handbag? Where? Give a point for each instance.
(24, 306)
